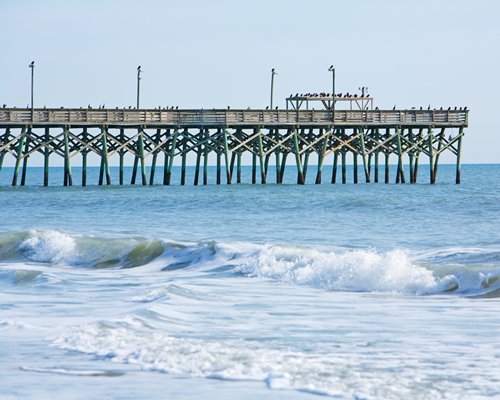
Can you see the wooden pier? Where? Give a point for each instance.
(370, 136)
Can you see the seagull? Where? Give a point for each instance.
(276, 108)
(429, 107)
(465, 108)
(394, 107)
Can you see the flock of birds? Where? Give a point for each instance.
(338, 95)
(103, 106)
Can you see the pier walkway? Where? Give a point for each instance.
(368, 135)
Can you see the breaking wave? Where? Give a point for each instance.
(472, 272)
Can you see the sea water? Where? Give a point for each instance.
(367, 291)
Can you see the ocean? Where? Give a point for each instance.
(367, 291)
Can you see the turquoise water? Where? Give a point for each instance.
(361, 291)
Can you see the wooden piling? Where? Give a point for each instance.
(431, 156)
(401, 171)
(238, 167)
(84, 160)
(141, 157)
(25, 159)
(363, 155)
(261, 159)
(459, 154)
(226, 157)
(170, 164)
(68, 179)
(183, 158)
(105, 156)
(355, 167)
(121, 154)
(298, 161)
(19, 155)
(334, 168)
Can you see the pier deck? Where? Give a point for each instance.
(368, 134)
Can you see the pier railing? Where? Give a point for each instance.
(222, 117)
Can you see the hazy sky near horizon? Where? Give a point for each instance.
(217, 53)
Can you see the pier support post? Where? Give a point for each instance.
(334, 168)
(218, 177)
(226, 158)
(283, 166)
(344, 167)
(278, 166)
(261, 159)
(355, 167)
(238, 167)
(321, 155)
(20, 147)
(121, 153)
(205, 158)
(436, 159)
(431, 156)
(183, 158)
(5, 140)
(46, 154)
(84, 158)
(170, 157)
(153, 160)
(386, 167)
(136, 162)
(306, 164)
(141, 156)
(68, 179)
(105, 161)
(363, 154)
(26, 156)
(375, 178)
(459, 154)
(298, 161)
(401, 172)
(254, 167)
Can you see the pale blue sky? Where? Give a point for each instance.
(213, 54)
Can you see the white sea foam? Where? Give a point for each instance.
(337, 372)
(359, 270)
(227, 360)
(49, 246)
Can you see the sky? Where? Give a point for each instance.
(217, 53)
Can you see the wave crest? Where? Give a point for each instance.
(358, 270)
